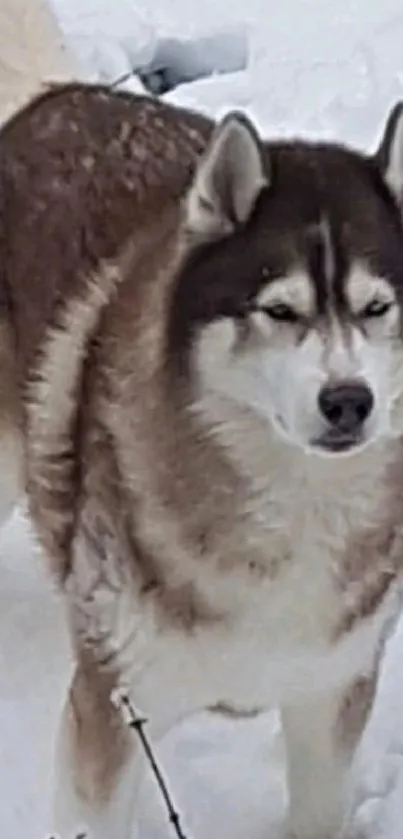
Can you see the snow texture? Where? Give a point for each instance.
(308, 67)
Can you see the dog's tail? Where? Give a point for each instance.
(32, 53)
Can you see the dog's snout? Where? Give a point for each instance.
(346, 405)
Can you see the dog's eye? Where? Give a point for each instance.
(376, 308)
(281, 312)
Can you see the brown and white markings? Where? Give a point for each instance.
(202, 360)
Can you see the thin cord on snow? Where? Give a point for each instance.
(121, 700)
(122, 79)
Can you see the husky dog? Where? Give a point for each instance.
(202, 395)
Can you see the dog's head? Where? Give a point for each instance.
(289, 297)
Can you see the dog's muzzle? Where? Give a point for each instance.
(345, 406)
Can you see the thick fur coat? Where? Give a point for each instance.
(178, 303)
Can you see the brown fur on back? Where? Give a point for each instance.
(82, 170)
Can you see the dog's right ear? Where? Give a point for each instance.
(389, 157)
(228, 180)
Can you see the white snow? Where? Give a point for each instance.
(312, 67)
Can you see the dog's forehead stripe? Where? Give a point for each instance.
(326, 265)
(329, 255)
(319, 264)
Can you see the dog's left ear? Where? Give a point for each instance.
(228, 180)
(389, 157)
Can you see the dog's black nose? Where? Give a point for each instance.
(346, 405)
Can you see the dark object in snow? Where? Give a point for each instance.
(177, 62)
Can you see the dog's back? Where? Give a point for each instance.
(83, 170)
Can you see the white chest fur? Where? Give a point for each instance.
(283, 595)
(273, 576)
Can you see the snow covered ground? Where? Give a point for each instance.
(313, 67)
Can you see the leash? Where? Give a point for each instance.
(137, 723)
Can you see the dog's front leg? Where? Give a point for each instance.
(321, 736)
(96, 763)
(99, 760)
